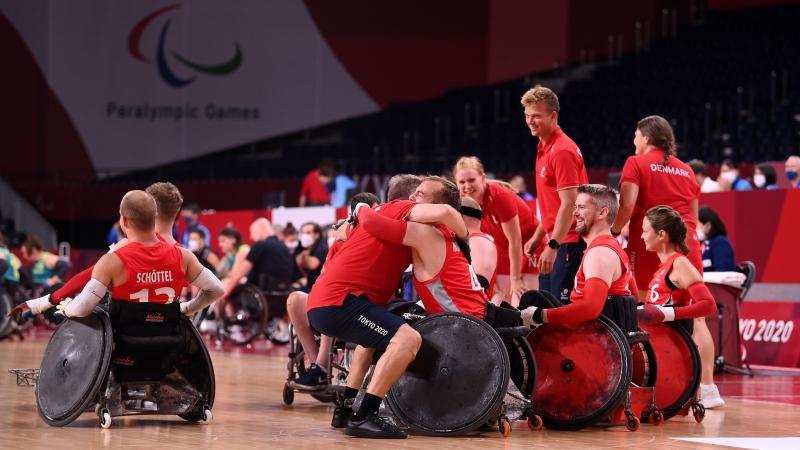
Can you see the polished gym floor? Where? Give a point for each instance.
(761, 412)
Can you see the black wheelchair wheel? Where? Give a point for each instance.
(458, 379)
(196, 366)
(244, 315)
(6, 305)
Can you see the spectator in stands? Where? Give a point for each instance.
(191, 217)
(792, 171)
(518, 184)
(47, 269)
(729, 179)
(313, 251)
(115, 234)
(314, 191)
(765, 177)
(288, 234)
(9, 263)
(342, 185)
(560, 169)
(197, 245)
(233, 250)
(705, 182)
(717, 248)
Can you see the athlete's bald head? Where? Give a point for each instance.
(139, 208)
(261, 229)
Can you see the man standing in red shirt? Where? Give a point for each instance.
(604, 271)
(559, 172)
(348, 301)
(314, 192)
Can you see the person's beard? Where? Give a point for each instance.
(583, 231)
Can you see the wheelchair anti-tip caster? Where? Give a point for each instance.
(656, 417)
(105, 418)
(504, 426)
(698, 411)
(631, 422)
(288, 394)
(207, 416)
(535, 422)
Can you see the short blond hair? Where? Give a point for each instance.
(541, 94)
(468, 162)
(168, 200)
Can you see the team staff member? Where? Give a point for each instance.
(348, 302)
(146, 269)
(443, 276)
(677, 290)
(559, 171)
(604, 270)
(655, 176)
(508, 219)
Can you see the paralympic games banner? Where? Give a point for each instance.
(150, 82)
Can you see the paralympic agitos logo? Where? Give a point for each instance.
(164, 70)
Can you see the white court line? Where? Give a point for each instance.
(773, 443)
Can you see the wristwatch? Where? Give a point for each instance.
(552, 243)
(615, 233)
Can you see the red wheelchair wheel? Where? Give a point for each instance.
(583, 372)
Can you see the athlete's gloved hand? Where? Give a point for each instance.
(463, 245)
(354, 214)
(30, 308)
(532, 317)
(650, 314)
(62, 307)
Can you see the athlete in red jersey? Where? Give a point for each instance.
(442, 275)
(347, 302)
(559, 171)
(315, 377)
(147, 269)
(168, 201)
(604, 271)
(509, 220)
(665, 234)
(482, 246)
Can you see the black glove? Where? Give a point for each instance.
(353, 219)
(463, 245)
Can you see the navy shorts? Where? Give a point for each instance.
(357, 320)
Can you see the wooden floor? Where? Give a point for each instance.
(249, 414)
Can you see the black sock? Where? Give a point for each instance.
(369, 404)
(350, 393)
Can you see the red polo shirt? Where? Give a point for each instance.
(559, 165)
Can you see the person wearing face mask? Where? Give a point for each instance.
(717, 248)
(313, 251)
(729, 179)
(190, 213)
(765, 177)
(289, 237)
(792, 170)
(197, 245)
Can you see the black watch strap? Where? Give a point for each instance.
(552, 243)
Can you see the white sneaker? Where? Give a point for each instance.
(280, 335)
(709, 396)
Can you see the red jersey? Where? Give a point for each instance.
(559, 166)
(313, 190)
(364, 265)
(659, 291)
(455, 288)
(618, 286)
(155, 273)
(499, 205)
(481, 235)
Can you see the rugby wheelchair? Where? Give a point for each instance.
(467, 375)
(126, 359)
(340, 354)
(596, 371)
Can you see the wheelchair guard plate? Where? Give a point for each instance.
(245, 314)
(583, 372)
(458, 379)
(196, 367)
(74, 366)
(678, 366)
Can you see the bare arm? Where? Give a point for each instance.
(694, 207)
(628, 193)
(564, 218)
(240, 269)
(438, 214)
(533, 243)
(484, 257)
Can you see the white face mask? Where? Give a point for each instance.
(759, 180)
(306, 240)
(291, 244)
(729, 176)
(194, 245)
(701, 236)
